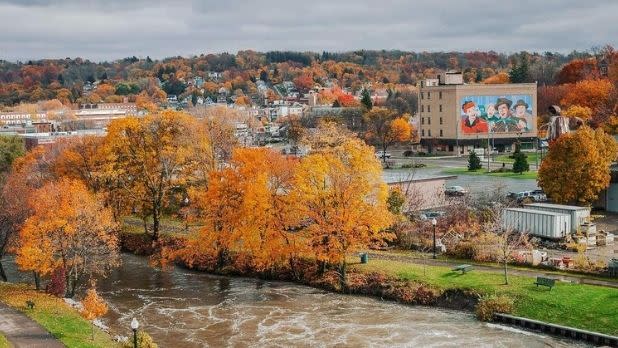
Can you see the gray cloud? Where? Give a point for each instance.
(112, 29)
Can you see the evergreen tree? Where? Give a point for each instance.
(520, 72)
(474, 162)
(366, 99)
(521, 161)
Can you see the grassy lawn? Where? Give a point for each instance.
(3, 342)
(587, 307)
(532, 157)
(55, 316)
(464, 171)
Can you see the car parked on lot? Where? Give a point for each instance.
(531, 196)
(455, 191)
(382, 154)
(427, 215)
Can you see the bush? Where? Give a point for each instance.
(488, 306)
(408, 153)
(143, 341)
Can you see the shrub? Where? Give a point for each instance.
(57, 284)
(488, 306)
(144, 340)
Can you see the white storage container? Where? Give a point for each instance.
(539, 223)
(579, 215)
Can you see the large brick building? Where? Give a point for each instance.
(456, 118)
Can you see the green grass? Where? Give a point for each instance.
(588, 307)
(532, 157)
(4, 343)
(55, 316)
(532, 175)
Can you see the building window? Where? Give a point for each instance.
(428, 108)
(440, 107)
(428, 120)
(440, 95)
(440, 120)
(422, 108)
(422, 120)
(429, 132)
(422, 132)
(422, 95)
(441, 132)
(428, 95)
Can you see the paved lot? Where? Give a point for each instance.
(22, 331)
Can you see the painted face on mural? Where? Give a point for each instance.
(503, 110)
(471, 112)
(491, 110)
(520, 111)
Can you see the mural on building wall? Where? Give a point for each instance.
(496, 114)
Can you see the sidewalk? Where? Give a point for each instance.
(22, 331)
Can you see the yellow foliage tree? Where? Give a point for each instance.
(583, 112)
(386, 128)
(343, 198)
(576, 168)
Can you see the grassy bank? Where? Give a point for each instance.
(532, 157)
(464, 171)
(587, 307)
(55, 316)
(3, 342)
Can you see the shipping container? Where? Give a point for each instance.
(579, 215)
(538, 223)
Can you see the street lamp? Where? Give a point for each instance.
(134, 327)
(434, 223)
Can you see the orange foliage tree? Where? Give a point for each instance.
(69, 229)
(247, 209)
(93, 307)
(576, 168)
(152, 156)
(342, 196)
(589, 93)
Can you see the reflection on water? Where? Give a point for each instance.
(181, 308)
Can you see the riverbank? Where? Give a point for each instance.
(54, 315)
(581, 306)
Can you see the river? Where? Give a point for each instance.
(182, 308)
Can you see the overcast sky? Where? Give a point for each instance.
(112, 29)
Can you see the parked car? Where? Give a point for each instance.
(532, 196)
(382, 154)
(455, 191)
(431, 215)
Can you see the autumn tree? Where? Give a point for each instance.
(341, 194)
(386, 128)
(27, 174)
(93, 307)
(593, 94)
(247, 209)
(153, 155)
(576, 168)
(69, 228)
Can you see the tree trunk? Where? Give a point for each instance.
(506, 276)
(342, 276)
(156, 216)
(37, 281)
(3, 276)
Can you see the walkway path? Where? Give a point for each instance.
(580, 279)
(22, 331)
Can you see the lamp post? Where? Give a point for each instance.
(134, 327)
(434, 223)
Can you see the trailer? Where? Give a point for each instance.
(579, 215)
(545, 224)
